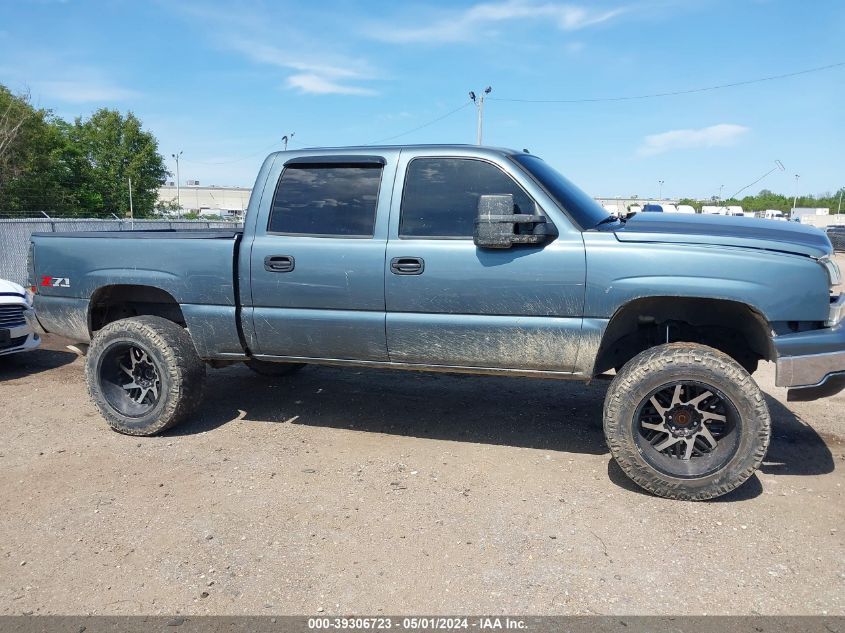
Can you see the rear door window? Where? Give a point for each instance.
(326, 200)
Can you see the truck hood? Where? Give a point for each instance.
(773, 235)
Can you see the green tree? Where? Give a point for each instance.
(113, 149)
(31, 154)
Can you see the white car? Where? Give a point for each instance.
(16, 335)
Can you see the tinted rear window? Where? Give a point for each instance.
(326, 200)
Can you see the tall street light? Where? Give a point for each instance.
(178, 190)
(795, 199)
(479, 106)
(660, 191)
(286, 138)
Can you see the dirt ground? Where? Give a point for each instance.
(369, 491)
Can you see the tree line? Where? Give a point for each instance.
(78, 169)
(769, 200)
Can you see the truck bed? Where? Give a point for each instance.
(196, 268)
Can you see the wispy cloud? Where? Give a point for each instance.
(84, 91)
(315, 84)
(311, 77)
(721, 135)
(463, 25)
(309, 63)
(47, 76)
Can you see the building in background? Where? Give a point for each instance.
(801, 214)
(209, 201)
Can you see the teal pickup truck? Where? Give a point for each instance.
(463, 259)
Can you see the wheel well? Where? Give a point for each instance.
(111, 303)
(729, 326)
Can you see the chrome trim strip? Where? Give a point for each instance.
(808, 371)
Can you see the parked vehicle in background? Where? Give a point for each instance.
(733, 210)
(463, 259)
(836, 234)
(16, 335)
(652, 208)
(773, 214)
(635, 208)
(686, 208)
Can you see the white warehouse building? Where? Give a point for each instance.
(225, 202)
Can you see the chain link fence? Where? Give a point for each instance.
(15, 234)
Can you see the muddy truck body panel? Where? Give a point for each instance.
(372, 256)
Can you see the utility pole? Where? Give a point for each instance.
(660, 191)
(479, 106)
(839, 208)
(720, 192)
(795, 200)
(286, 138)
(178, 191)
(131, 210)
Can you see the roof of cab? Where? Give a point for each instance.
(458, 149)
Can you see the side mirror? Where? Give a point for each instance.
(497, 226)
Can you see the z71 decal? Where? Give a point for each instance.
(56, 282)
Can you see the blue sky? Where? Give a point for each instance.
(224, 81)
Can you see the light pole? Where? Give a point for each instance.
(286, 138)
(178, 190)
(479, 106)
(720, 192)
(660, 191)
(795, 199)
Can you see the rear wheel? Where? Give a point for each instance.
(685, 421)
(144, 374)
(266, 368)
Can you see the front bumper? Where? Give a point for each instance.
(812, 364)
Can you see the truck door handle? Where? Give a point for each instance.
(407, 265)
(279, 263)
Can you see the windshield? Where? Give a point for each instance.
(583, 210)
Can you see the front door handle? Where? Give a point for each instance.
(279, 263)
(407, 265)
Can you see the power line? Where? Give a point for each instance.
(234, 160)
(676, 92)
(424, 125)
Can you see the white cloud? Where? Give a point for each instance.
(263, 37)
(464, 25)
(84, 91)
(722, 135)
(315, 84)
(322, 77)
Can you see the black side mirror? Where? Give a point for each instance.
(496, 225)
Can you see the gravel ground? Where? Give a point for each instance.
(368, 491)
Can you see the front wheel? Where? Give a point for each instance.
(685, 421)
(144, 374)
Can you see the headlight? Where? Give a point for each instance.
(29, 296)
(832, 268)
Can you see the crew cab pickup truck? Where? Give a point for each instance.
(463, 259)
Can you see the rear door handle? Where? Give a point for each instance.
(407, 265)
(279, 263)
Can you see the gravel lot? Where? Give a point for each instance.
(366, 491)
